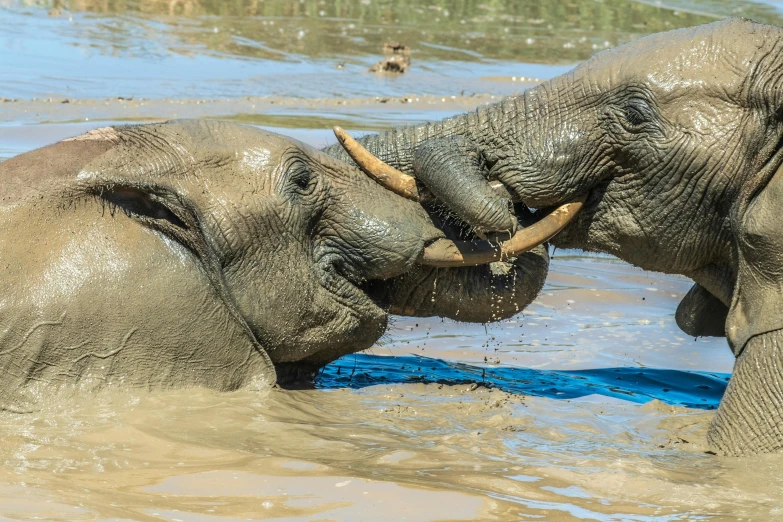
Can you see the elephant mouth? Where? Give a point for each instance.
(343, 285)
(454, 253)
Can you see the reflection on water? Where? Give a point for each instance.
(527, 30)
(314, 49)
(581, 413)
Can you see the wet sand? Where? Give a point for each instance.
(589, 405)
(374, 113)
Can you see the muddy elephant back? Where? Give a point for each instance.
(35, 171)
(89, 299)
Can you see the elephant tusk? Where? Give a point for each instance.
(448, 253)
(391, 178)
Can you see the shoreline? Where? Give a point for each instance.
(371, 113)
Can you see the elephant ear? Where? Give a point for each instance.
(160, 208)
(757, 303)
(165, 210)
(188, 288)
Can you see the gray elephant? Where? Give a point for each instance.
(673, 147)
(208, 254)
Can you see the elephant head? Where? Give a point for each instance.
(674, 143)
(204, 253)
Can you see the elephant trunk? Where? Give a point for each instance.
(414, 143)
(485, 127)
(467, 294)
(748, 418)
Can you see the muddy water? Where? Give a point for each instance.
(588, 405)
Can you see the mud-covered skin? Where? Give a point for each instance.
(194, 253)
(674, 138)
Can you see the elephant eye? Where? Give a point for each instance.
(301, 176)
(637, 112)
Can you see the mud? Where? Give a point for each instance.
(590, 405)
(418, 452)
(394, 64)
(420, 427)
(372, 113)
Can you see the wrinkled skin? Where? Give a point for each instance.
(676, 141)
(202, 254)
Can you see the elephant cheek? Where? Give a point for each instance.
(315, 320)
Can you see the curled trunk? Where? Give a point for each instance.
(484, 293)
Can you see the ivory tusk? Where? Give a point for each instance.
(391, 178)
(448, 253)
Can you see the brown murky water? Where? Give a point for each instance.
(574, 409)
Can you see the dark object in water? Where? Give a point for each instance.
(397, 60)
(396, 48)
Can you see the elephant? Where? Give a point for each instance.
(205, 253)
(672, 147)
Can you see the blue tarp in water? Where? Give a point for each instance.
(676, 387)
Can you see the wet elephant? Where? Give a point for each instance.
(673, 147)
(196, 253)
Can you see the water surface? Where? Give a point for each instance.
(589, 405)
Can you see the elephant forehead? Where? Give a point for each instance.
(207, 159)
(706, 115)
(716, 58)
(704, 66)
(250, 171)
(256, 159)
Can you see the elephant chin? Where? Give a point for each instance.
(297, 376)
(301, 373)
